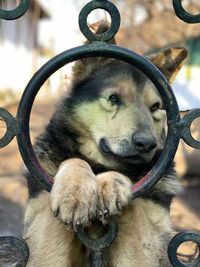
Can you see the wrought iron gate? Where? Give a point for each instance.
(177, 127)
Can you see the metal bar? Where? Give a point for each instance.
(184, 15)
(176, 241)
(177, 127)
(97, 259)
(15, 13)
(21, 247)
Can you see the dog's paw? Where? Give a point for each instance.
(114, 193)
(74, 193)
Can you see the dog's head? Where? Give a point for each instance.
(118, 111)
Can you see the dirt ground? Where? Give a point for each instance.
(185, 210)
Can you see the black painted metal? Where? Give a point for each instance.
(21, 247)
(176, 242)
(107, 50)
(177, 127)
(11, 127)
(115, 20)
(183, 14)
(97, 246)
(185, 128)
(15, 13)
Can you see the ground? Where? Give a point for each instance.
(185, 211)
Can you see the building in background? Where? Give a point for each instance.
(50, 27)
(18, 50)
(187, 84)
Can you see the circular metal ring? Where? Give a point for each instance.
(99, 49)
(103, 242)
(11, 127)
(185, 131)
(184, 15)
(15, 13)
(20, 245)
(115, 20)
(174, 244)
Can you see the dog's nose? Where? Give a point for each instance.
(144, 144)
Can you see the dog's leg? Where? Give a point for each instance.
(74, 193)
(114, 193)
(72, 201)
(50, 243)
(143, 237)
(144, 226)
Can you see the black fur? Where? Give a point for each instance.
(59, 140)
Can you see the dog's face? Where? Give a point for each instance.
(122, 120)
(118, 110)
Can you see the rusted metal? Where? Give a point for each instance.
(106, 50)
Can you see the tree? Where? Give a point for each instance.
(148, 24)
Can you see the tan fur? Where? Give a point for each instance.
(50, 242)
(109, 125)
(54, 245)
(79, 195)
(169, 61)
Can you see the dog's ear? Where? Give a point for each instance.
(169, 61)
(84, 67)
(99, 28)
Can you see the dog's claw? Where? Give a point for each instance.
(100, 213)
(106, 215)
(106, 211)
(78, 223)
(119, 206)
(55, 213)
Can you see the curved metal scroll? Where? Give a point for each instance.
(15, 13)
(11, 127)
(174, 244)
(104, 50)
(115, 20)
(184, 15)
(98, 245)
(177, 127)
(21, 247)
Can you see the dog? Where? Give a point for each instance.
(107, 131)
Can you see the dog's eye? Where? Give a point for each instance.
(114, 99)
(155, 107)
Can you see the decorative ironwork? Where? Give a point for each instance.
(11, 127)
(98, 49)
(184, 15)
(21, 247)
(97, 246)
(174, 244)
(115, 20)
(15, 13)
(177, 127)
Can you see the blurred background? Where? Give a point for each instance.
(51, 26)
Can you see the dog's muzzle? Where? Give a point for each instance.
(139, 150)
(144, 144)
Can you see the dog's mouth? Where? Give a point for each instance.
(130, 157)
